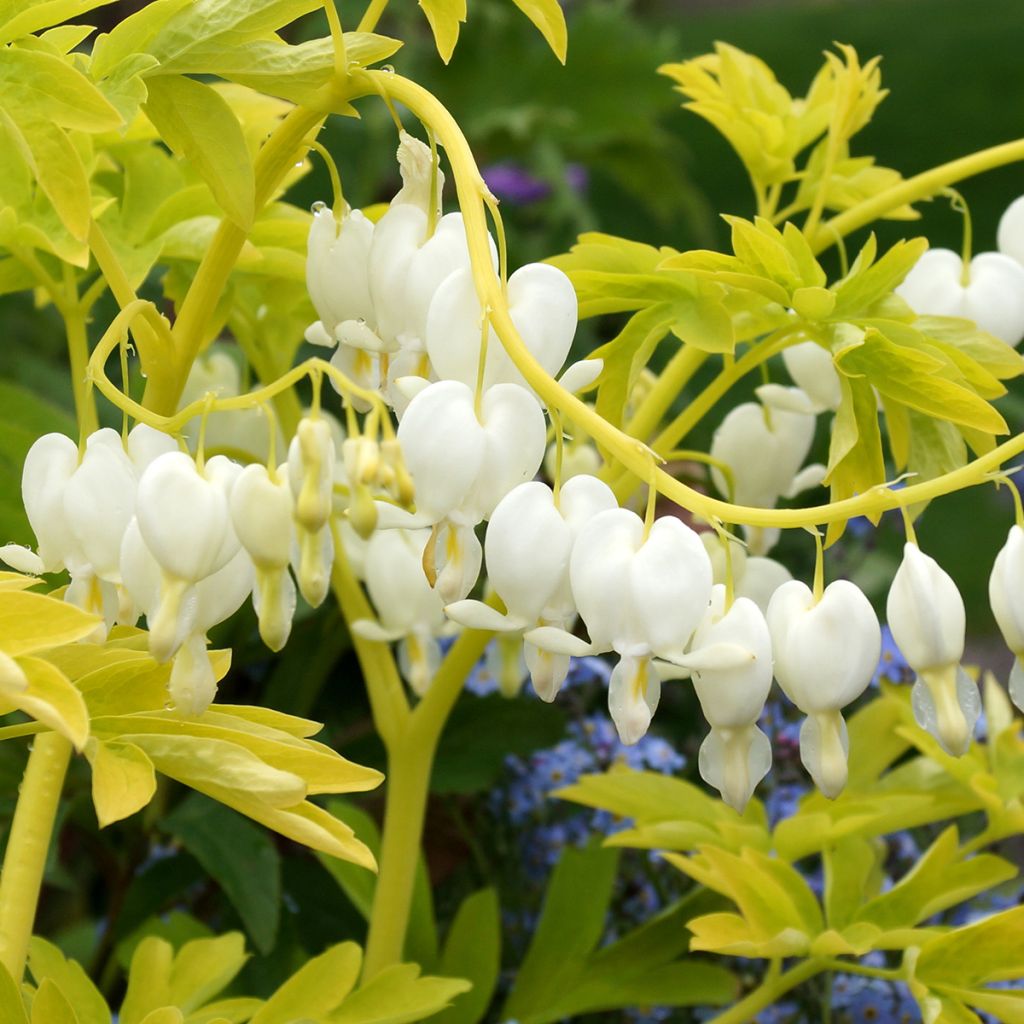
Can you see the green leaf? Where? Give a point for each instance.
(939, 880)
(852, 871)
(19, 19)
(196, 122)
(11, 1005)
(296, 72)
(149, 980)
(908, 376)
(472, 950)
(59, 170)
(445, 18)
(49, 1006)
(397, 995)
(132, 35)
(46, 961)
(239, 857)
(855, 459)
(315, 989)
(570, 927)
(220, 24)
(38, 86)
(548, 17)
(204, 967)
(868, 282)
(988, 950)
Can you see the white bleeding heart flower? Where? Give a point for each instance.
(991, 293)
(184, 520)
(641, 594)
(99, 502)
(145, 444)
(462, 464)
(261, 512)
(528, 546)
(48, 467)
(408, 609)
(813, 371)
(826, 652)
(1006, 596)
(730, 657)
(543, 306)
(337, 259)
(929, 624)
(765, 448)
(192, 684)
(1010, 233)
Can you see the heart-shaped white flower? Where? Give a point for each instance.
(542, 304)
(992, 294)
(826, 652)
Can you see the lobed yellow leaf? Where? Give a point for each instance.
(123, 779)
(33, 622)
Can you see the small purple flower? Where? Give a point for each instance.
(892, 666)
(786, 1012)
(782, 802)
(873, 1002)
(513, 183)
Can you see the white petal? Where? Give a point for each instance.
(515, 435)
(734, 761)
(559, 641)
(192, 684)
(397, 584)
(527, 549)
(261, 512)
(633, 694)
(825, 653)
(925, 612)
(22, 559)
(48, 466)
(443, 446)
(824, 749)
(581, 374)
(477, 615)
(1006, 588)
(183, 517)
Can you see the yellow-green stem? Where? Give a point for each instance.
(768, 993)
(921, 186)
(78, 353)
(371, 16)
(272, 164)
(410, 760)
(676, 375)
(28, 846)
(408, 780)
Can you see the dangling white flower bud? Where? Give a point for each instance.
(765, 448)
(813, 371)
(928, 622)
(184, 520)
(542, 304)
(826, 652)
(1006, 595)
(993, 296)
(418, 168)
(730, 657)
(261, 512)
(311, 462)
(407, 608)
